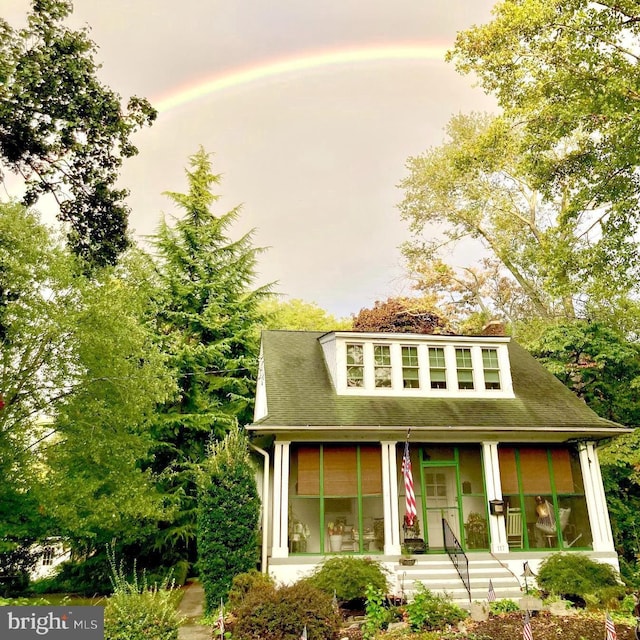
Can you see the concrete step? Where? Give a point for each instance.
(438, 574)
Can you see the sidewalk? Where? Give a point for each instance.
(191, 607)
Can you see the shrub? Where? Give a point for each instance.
(139, 612)
(574, 576)
(245, 583)
(503, 606)
(430, 611)
(228, 512)
(86, 577)
(349, 577)
(377, 615)
(281, 613)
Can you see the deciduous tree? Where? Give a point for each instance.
(65, 132)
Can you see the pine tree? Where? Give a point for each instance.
(207, 316)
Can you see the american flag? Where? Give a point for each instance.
(491, 596)
(410, 508)
(609, 629)
(220, 620)
(304, 633)
(526, 629)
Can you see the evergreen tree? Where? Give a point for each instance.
(207, 318)
(228, 514)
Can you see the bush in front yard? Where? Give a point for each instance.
(140, 612)
(575, 576)
(228, 514)
(349, 577)
(429, 611)
(281, 613)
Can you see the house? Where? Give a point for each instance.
(504, 462)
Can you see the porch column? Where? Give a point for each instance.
(595, 497)
(390, 499)
(280, 547)
(497, 529)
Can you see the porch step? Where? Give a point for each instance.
(438, 574)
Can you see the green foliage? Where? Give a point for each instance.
(228, 513)
(574, 576)
(349, 577)
(431, 611)
(404, 315)
(281, 613)
(505, 605)
(64, 131)
(377, 615)
(298, 315)
(138, 611)
(206, 316)
(245, 583)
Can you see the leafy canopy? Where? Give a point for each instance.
(63, 131)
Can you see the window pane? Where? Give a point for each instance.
(340, 471)
(355, 354)
(383, 376)
(491, 380)
(410, 356)
(355, 376)
(463, 358)
(436, 357)
(490, 358)
(382, 355)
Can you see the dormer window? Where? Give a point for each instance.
(464, 367)
(437, 368)
(382, 365)
(491, 369)
(410, 368)
(355, 365)
(418, 365)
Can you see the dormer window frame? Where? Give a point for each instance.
(378, 350)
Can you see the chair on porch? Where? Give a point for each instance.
(514, 527)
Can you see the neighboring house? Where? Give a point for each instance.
(51, 553)
(489, 431)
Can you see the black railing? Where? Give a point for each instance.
(454, 550)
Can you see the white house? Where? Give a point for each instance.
(490, 430)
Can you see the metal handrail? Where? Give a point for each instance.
(459, 558)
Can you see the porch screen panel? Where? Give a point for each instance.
(508, 473)
(371, 470)
(534, 471)
(308, 471)
(340, 471)
(562, 471)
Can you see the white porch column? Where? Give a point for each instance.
(280, 547)
(595, 497)
(390, 499)
(497, 528)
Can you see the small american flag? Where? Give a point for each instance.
(220, 620)
(410, 506)
(609, 629)
(304, 633)
(526, 629)
(491, 596)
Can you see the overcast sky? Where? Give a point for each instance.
(314, 155)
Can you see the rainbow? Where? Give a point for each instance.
(293, 65)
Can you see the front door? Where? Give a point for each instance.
(440, 482)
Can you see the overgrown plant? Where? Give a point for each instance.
(377, 615)
(428, 611)
(578, 578)
(139, 611)
(282, 613)
(505, 605)
(349, 577)
(228, 512)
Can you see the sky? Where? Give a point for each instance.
(310, 111)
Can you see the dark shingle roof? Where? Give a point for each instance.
(300, 393)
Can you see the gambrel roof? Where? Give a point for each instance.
(301, 398)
